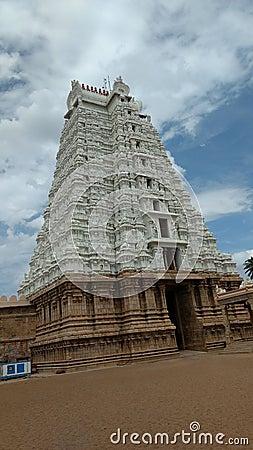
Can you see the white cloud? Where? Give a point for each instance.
(181, 171)
(183, 59)
(35, 224)
(178, 56)
(15, 253)
(9, 63)
(217, 202)
(240, 258)
(27, 157)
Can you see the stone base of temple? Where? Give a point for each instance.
(77, 330)
(215, 337)
(242, 332)
(74, 354)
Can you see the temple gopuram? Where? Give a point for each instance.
(124, 268)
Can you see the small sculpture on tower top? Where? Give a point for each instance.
(120, 87)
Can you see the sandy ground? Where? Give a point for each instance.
(79, 411)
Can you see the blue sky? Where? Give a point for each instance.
(189, 62)
(219, 157)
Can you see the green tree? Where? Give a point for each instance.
(248, 267)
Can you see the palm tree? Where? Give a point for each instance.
(248, 267)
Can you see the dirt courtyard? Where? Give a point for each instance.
(80, 411)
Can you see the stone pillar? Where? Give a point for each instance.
(39, 315)
(98, 305)
(59, 308)
(132, 303)
(161, 297)
(228, 333)
(161, 288)
(213, 294)
(203, 294)
(65, 306)
(150, 299)
(48, 312)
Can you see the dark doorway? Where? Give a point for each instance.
(174, 315)
(181, 309)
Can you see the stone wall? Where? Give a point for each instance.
(17, 328)
(237, 307)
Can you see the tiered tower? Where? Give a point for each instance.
(124, 267)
